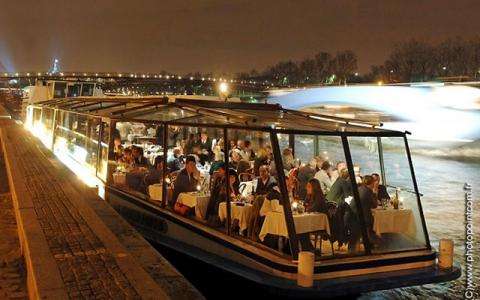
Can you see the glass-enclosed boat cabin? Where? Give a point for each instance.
(248, 186)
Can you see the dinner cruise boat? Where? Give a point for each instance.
(162, 163)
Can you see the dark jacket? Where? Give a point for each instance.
(264, 189)
(183, 184)
(141, 161)
(318, 204)
(340, 190)
(368, 202)
(174, 163)
(305, 173)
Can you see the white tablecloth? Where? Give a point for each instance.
(309, 222)
(194, 199)
(240, 213)
(270, 205)
(394, 220)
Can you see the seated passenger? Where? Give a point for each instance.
(138, 159)
(305, 173)
(235, 158)
(218, 191)
(247, 149)
(323, 176)
(261, 159)
(265, 183)
(315, 199)
(174, 162)
(187, 179)
(352, 217)
(340, 189)
(287, 159)
(117, 148)
(336, 172)
(219, 161)
(379, 190)
(127, 158)
(155, 174)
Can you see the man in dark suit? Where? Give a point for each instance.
(368, 202)
(265, 183)
(379, 190)
(186, 181)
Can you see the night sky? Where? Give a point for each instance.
(216, 36)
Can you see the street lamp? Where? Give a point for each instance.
(223, 90)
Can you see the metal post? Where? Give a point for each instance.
(291, 143)
(54, 127)
(356, 195)
(164, 169)
(382, 164)
(316, 148)
(227, 180)
(292, 235)
(415, 186)
(99, 147)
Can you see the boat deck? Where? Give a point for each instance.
(75, 244)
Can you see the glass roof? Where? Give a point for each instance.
(208, 112)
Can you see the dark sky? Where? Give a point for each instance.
(230, 35)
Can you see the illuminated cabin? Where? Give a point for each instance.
(256, 240)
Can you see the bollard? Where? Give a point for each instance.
(445, 256)
(306, 261)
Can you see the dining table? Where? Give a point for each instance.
(392, 220)
(238, 211)
(195, 199)
(275, 224)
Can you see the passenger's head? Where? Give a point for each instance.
(158, 163)
(204, 136)
(326, 166)
(236, 155)
(341, 165)
(247, 144)
(344, 173)
(190, 163)
(127, 153)
(368, 181)
(287, 152)
(262, 153)
(137, 151)
(117, 141)
(221, 169)
(313, 187)
(264, 172)
(233, 176)
(240, 144)
(376, 177)
(177, 151)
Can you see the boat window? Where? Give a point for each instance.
(59, 89)
(87, 89)
(74, 90)
(399, 226)
(317, 180)
(387, 198)
(75, 140)
(136, 154)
